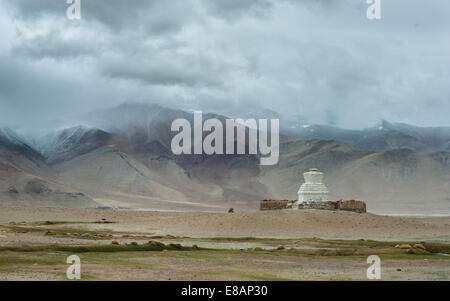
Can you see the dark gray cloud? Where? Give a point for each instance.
(114, 14)
(54, 45)
(319, 60)
(154, 17)
(192, 71)
(233, 9)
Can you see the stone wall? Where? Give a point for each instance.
(276, 204)
(351, 205)
(318, 205)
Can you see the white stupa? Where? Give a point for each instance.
(313, 190)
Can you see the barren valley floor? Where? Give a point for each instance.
(285, 245)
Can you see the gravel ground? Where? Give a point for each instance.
(42, 226)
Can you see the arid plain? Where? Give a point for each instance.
(279, 245)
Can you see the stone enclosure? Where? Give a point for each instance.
(313, 194)
(276, 204)
(344, 205)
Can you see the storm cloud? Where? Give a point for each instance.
(316, 61)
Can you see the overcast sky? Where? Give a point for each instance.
(321, 60)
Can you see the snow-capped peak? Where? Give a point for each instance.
(12, 137)
(62, 140)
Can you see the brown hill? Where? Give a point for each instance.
(128, 163)
(25, 179)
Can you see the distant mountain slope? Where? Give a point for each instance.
(25, 179)
(438, 137)
(11, 141)
(124, 160)
(380, 138)
(397, 180)
(298, 156)
(392, 181)
(69, 143)
(239, 181)
(385, 136)
(157, 174)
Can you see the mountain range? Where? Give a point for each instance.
(121, 158)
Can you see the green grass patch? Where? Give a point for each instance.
(346, 253)
(246, 276)
(437, 247)
(41, 259)
(153, 246)
(52, 223)
(20, 229)
(192, 255)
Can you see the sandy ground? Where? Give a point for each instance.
(273, 224)
(232, 238)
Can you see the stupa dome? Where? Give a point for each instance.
(313, 190)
